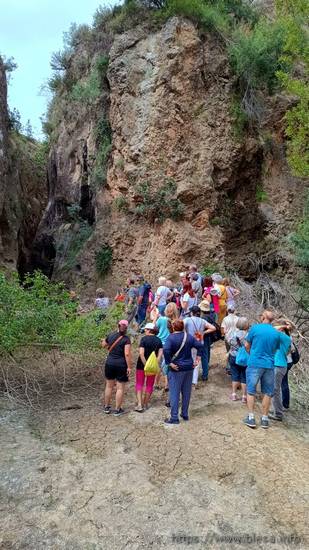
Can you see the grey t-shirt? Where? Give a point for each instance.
(195, 324)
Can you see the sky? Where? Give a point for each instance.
(30, 31)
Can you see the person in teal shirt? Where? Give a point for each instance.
(281, 367)
(162, 325)
(262, 342)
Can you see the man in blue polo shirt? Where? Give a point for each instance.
(261, 343)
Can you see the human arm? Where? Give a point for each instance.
(184, 302)
(209, 328)
(160, 355)
(128, 357)
(142, 355)
(248, 340)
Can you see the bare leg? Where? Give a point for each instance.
(266, 405)
(147, 397)
(120, 394)
(108, 392)
(139, 398)
(250, 403)
(244, 389)
(158, 378)
(234, 387)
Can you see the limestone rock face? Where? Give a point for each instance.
(170, 101)
(23, 192)
(168, 96)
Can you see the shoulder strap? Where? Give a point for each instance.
(181, 347)
(115, 343)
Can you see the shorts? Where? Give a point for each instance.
(265, 376)
(116, 373)
(140, 381)
(238, 373)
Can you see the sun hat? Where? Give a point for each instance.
(124, 322)
(217, 278)
(204, 306)
(150, 326)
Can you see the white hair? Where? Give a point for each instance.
(162, 280)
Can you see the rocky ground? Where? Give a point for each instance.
(74, 478)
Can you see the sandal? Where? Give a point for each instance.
(139, 409)
(233, 397)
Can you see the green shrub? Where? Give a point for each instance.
(90, 89)
(74, 211)
(300, 238)
(215, 221)
(260, 194)
(159, 204)
(40, 156)
(208, 16)
(293, 15)
(255, 56)
(72, 244)
(297, 127)
(83, 334)
(103, 259)
(41, 313)
(128, 16)
(209, 269)
(99, 170)
(33, 312)
(121, 204)
(240, 118)
(299, 241)
(103, 137)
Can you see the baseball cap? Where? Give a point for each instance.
(149, 326)
(123, 322)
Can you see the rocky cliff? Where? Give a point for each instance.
(145, 162)
(23, 192)
(168, 96)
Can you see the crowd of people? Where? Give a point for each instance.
(179, 324)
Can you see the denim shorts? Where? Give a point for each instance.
(265, 376)
(238, 373)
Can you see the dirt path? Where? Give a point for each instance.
(78, 479)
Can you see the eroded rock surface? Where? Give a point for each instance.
(23, 191)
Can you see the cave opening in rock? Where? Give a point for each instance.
(87, 211)
(41, 257)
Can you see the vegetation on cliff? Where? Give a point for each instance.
(266, 55)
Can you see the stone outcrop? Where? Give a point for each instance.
(23, 191)
(169, 96)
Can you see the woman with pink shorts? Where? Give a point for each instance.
(144, 384)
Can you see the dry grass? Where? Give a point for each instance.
(266, 293)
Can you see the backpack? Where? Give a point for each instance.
(198, 335)
(295, 354)
(216, 336)
(242, 357)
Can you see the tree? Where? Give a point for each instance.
(15, 120)
(28, 130)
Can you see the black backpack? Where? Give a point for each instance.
(295, 354)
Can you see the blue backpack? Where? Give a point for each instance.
(242, 357)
